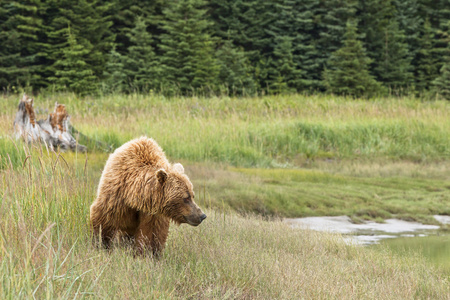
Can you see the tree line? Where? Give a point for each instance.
(351, 47)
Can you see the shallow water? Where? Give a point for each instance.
(400, 236)
(366, 233)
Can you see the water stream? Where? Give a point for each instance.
(401, 236)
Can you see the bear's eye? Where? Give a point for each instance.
(186, 200)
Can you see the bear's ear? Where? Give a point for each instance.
(161, 174)
(178, 167)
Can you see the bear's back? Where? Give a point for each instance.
(140, 153)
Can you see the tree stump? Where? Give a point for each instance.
(53, 132)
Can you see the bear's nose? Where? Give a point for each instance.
(202, 217)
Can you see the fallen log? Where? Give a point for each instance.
(53, 132)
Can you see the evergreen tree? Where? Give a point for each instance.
(115, 79)
(72, 72)
(20, 39)
(332, 18)
(293, 48)
(248, 22)
(333, 21)
(348, 72)
(235, 72)
(89, 23)
(427, 63)
(283, 72)
(142, 67)
(187, 47)
(305, 33)
(410, 22)
(442, 83)
(124, 14)
(373, 21)
(394, 66)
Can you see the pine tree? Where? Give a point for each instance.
(332, 20)
(348, 72)
(188, 61)
(248, 23)
(283, 72)
(89, 23)
(306, 53)
(142, 67)
(427, 64)
(410, 22)
(235, 71)
(124, 14)
(442, 82)
(291, 45)
(72, 72)
(373, 21)
(20, 39)
(115, 79)
(394, 66)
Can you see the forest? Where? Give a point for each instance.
(353, 47)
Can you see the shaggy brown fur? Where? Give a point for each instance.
(138, 194)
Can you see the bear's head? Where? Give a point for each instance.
(179, 195)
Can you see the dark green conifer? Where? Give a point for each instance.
(235, 72)
(124, 14)
(284, 73)
(427, 63)
(142, 67)
(394, 67)
(188, 61)
(21, 50)
(442, 83)
(115, 79)
(72, 72)
(348, 72)
(89, 23)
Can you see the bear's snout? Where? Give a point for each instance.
(202, 217)
(196, 218)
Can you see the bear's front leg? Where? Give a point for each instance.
(151, 234)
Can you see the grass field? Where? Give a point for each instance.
(265, 158)
(288, 156)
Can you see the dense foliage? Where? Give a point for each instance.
(226, 46)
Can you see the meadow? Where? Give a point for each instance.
(252, 162)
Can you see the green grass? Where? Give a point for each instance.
(322, 144)
(46, 252)
(306, 192)
(265, 132)
(435, 247)
(277, 156)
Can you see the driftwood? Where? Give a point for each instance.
(54, 132)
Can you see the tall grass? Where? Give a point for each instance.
(278, 132)
(266, 132)
(45, 239)
(46, 252)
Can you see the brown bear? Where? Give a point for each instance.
(138, 194)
